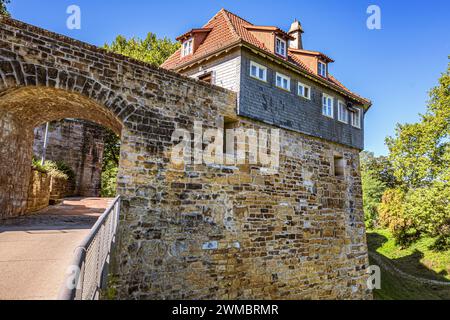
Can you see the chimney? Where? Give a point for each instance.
(296, 32)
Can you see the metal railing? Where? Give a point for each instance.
(88, 273)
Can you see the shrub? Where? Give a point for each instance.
(55, 169)
(36, 165)
(429, 209)
(64, 168)
(109, 182)
(372, 193)
(392, 216)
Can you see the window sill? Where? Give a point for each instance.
(261, 80)
(283, 89)
(327, 116)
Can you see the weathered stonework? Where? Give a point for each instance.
(79, 144)
(192, 231)
(60, 188)
(38, 191)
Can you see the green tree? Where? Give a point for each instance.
(3, 9)
(420, 152)
(429, 210)
(151, 49)
(420, 156)
(111, 156)
(377, 176)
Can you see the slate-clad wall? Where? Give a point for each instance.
(265, 102)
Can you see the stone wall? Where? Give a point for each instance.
(15, 162)
(60, 188)
(38, 191)
(79, 144)
(193, 231)
(208, 232)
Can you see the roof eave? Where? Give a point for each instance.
(240, 43)
(366, 103)
(192, 32)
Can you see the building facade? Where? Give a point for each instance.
(190, 231)
(278, 82)
(305, 223)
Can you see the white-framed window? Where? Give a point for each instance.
(258, 71)
(327, 106)
(280, 47)
(283, 82)
(322, 69)
(304, 91)
(355, 118)
(188, 47)
(342, 112)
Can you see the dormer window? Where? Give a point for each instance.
(188, 47)
(322, 69)
(280, 47)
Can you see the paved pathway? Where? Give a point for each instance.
(35, 251)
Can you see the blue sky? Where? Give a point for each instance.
(395, 66)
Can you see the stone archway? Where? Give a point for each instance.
(21, 110)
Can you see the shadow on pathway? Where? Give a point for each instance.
(35, 251)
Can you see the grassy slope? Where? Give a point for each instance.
(417, 260)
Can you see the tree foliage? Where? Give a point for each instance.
(420, 157)
(377, 176)
(151, 49)
(420, 152)
(111, 156)
(3, 9)
(428, 209)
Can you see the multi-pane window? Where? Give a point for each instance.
(258, 71)
(187, 47)
(327, 106)
(283, 82)
(304, 91)
(280, 47)
(322, 69)
(342, 112)
(356, 118)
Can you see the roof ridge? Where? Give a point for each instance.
(229, 12)
(210, 20)
(230, 23)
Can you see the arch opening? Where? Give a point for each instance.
(24, 109)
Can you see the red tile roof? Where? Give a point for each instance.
(228, 30)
